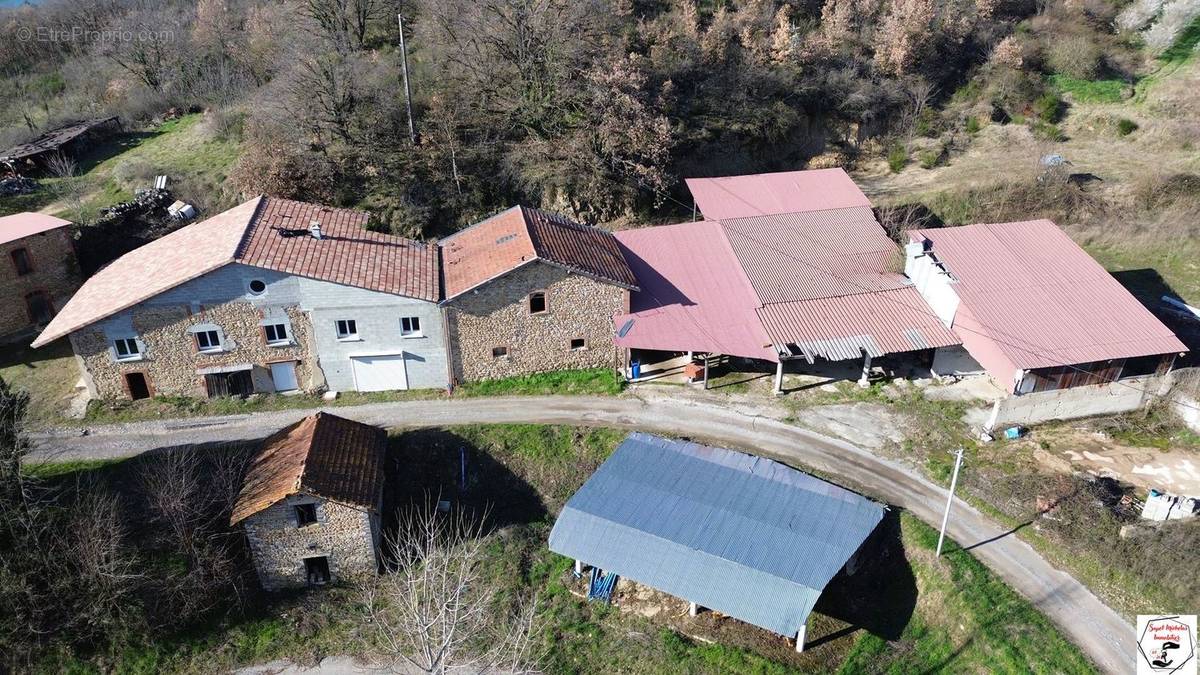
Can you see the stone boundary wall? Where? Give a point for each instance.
(348, 536)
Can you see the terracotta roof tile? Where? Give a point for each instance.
(324, 456)
(21, 225)
(521, 235)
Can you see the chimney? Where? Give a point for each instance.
(314, 228)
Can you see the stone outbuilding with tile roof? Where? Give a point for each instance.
(273, 295)
(310, 504)
(529, 291)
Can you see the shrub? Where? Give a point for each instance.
(1126, 126)
(1049, 107)
(897, 157)
(973, 125)
(1078, 57)
(1048, 131)
(929, 159)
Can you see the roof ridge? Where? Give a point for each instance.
(251, 226)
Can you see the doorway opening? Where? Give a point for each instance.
(317, 570)
(137, 385)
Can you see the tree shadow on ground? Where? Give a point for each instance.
(881, 595)
(1149, 287)
(429, 465)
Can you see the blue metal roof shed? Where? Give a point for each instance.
(746, 536)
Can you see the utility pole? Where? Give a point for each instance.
(958, 455)
(412, 130)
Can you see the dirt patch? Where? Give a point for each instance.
(1081, 449)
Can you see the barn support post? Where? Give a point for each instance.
(578, 567)
(865, 380)
(800, 636)
(779, 378)
(693, 609)
(706, 355)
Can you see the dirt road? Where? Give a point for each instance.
(1097, 629)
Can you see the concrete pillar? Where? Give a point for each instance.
(800, 637)
(579, 567)
(706, 355)
(692, 609)
(779, 378)
(865, 380)
(991, 420)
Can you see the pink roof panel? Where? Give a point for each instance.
(1042, 299)
(765, 194)
(694, 295)
(21, 225)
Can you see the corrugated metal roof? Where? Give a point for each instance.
(321, 455)
(21, 225)
(801, 256)
(885, 322)
(520, 235)
(1042, 299)
(769, 193)
(740, 534)
(693, 294)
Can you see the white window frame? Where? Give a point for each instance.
(137, 355)
(276, 325)
(347, 335)
(411, 332)
(211, 348)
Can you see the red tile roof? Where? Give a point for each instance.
(521, 235)
(21, 225)
(765, 194)
(322, 455)
(278, 239)
(1042, 299)
(264, 232)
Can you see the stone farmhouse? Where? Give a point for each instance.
(271, 296)
(311, 503)
(530, 291)
(38, 273)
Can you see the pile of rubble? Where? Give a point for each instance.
(145, 202)
(17, 185)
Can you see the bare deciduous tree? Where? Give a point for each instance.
(438, 611)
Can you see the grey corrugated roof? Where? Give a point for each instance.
(743, 535)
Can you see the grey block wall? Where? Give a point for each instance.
(377, 315)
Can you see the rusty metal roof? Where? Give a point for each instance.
(264, 232)
(1041, 298)
(765, 194)
(846, 326)
(522, 235)
(347, 253)
(323, 456)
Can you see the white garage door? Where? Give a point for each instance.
(379, 373)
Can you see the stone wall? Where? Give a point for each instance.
(170, 360)
(54, 273)
(498, 316)
(347, 536)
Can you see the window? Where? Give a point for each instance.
(208, 340)
(577, 344)
(306, 514)
(276, 333)
(257, 287)
(499, 352)
(38, 305)
(410, 326)
(127, 349)
(347, 329)
(20, 258)
(537, 302)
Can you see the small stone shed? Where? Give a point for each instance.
(311, 501)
